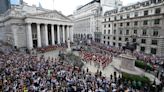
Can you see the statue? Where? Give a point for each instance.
(68, 45)
(128, 59)
(130, 46)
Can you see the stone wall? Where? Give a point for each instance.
(19, 32)
(2, 33)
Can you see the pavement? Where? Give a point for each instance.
(137, 71)
(113, 66)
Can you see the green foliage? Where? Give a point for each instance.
(130, 77)
(143, 65)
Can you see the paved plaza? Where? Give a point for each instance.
(114, 66)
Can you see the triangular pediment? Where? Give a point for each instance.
(51, 15)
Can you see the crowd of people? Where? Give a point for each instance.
(97, 58)
(117, 51)
(155, 61)
(25, 73)
(20, 72)
(49, 48)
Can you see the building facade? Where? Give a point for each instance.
(141, 22)
(88, 18)
(32, 27)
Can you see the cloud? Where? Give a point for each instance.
(67, 6)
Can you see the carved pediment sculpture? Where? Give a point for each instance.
(51, 15)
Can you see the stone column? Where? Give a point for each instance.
(46, 34)
(14, 32)
(71, 34)
(52, 34)
(38, 35)
(58, 34)
(29, 36)
(63, 34)
(67, 31)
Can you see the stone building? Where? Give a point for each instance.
(141, 22)
(32, 27)
(88, 18)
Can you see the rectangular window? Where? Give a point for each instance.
(135, 23)
(128, 23)
(121, 17)
(115, 25)
(121, 24)
(108, 43)
(136, 14)
(114, 38)
(144, 33)
(104, 26)
(126, 39)
(120, 39)
(108, 37)
(134, 40)
(143, 41)
(109, 19)
(157, 10)
(127, 32)
(157, 21)
(145, 22)
(104, 42)
(155, 33)
(135, 31)
(153, 51)
(115, 18)
(154, 42)
(108, 31)
(119, 44)
(104, 31)
(114, 32)
(104, 20)
(114, 43)
(128, 16)
(146, 13)
(104, 37)
(108, 25)
(142, 49)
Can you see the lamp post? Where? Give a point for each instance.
(94, 57)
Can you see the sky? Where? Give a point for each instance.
(66, 6)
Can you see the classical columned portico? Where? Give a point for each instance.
(29, 36)
(40, 34)
(47, 28)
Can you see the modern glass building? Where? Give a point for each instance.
(6, 4)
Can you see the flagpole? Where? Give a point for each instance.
(53, 4)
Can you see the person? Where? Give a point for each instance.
(24, 72)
